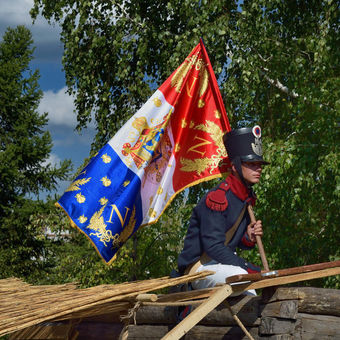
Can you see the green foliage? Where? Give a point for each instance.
(24, 147)
(70, 257)
(278, 65)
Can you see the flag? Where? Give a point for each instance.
(174, 141)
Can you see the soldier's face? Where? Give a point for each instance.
(252, 171)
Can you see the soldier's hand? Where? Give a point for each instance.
(255, 229)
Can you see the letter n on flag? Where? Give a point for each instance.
(173, 142)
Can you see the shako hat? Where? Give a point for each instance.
(244, 144)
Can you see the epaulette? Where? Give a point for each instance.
(216, 200)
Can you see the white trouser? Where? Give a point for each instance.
(222, 271)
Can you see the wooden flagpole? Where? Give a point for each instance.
(258, 240)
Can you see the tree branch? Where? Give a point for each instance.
(276, 83)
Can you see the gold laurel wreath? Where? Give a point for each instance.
(75, 185)
(201, 164)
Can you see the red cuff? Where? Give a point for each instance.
(247, 242)
(252, 271)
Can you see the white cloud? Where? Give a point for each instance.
(16, 12)
(53, 159)
(59, 106)
(45, 36)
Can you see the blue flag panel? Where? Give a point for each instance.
(104, 202)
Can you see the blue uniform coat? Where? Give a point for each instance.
(213, 216)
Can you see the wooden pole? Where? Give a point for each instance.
(282, 272)
(238, 321)
(258, 240)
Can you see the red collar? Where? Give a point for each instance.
(240, 190)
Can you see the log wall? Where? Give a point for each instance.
(283, 313)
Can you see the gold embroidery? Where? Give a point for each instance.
(115, 208)
(194, 147)
(106, 182)
(192, 124)
(127, 231)
(126, 183)
(75, 185)
(151, 200)
(178, 78)
(192, 85)
(98, 225)
(201, 164)
(80, 198)
(180, 74)
(106, 158)
(152, 213)
(82, 219)
(217, 114)
(177, 147)
(157, 165)
(183, 123)
(157, 102)
(150, 137)
(200, 103)
(204, 79)
(159, 190)
(103, 201)
(216, 134)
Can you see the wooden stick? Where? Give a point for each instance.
(199, 313)
(282, 272)
(258, 240)
(238, 321)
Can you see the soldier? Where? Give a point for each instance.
(220, 222)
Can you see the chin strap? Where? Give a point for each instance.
(238, 166)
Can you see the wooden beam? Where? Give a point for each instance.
(205, 293)
(286, 279)
(199, 313)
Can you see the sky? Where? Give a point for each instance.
(67, 143)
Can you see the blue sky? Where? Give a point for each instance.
(68, 144)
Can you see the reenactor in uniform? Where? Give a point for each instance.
(220, 222)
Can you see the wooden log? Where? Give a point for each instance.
(319, 301)
(153, 332)
(312, 336)
(271, 326)
(156, 315)
(278, 337)
(311, 300)
(245, 306)
(282, 272)
(220, 333)
(277, 293)
(199, 313)
(287, 309)
(323, 325)
(150, 332)
(146, 297)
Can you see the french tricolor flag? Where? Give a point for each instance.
(174, 141)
